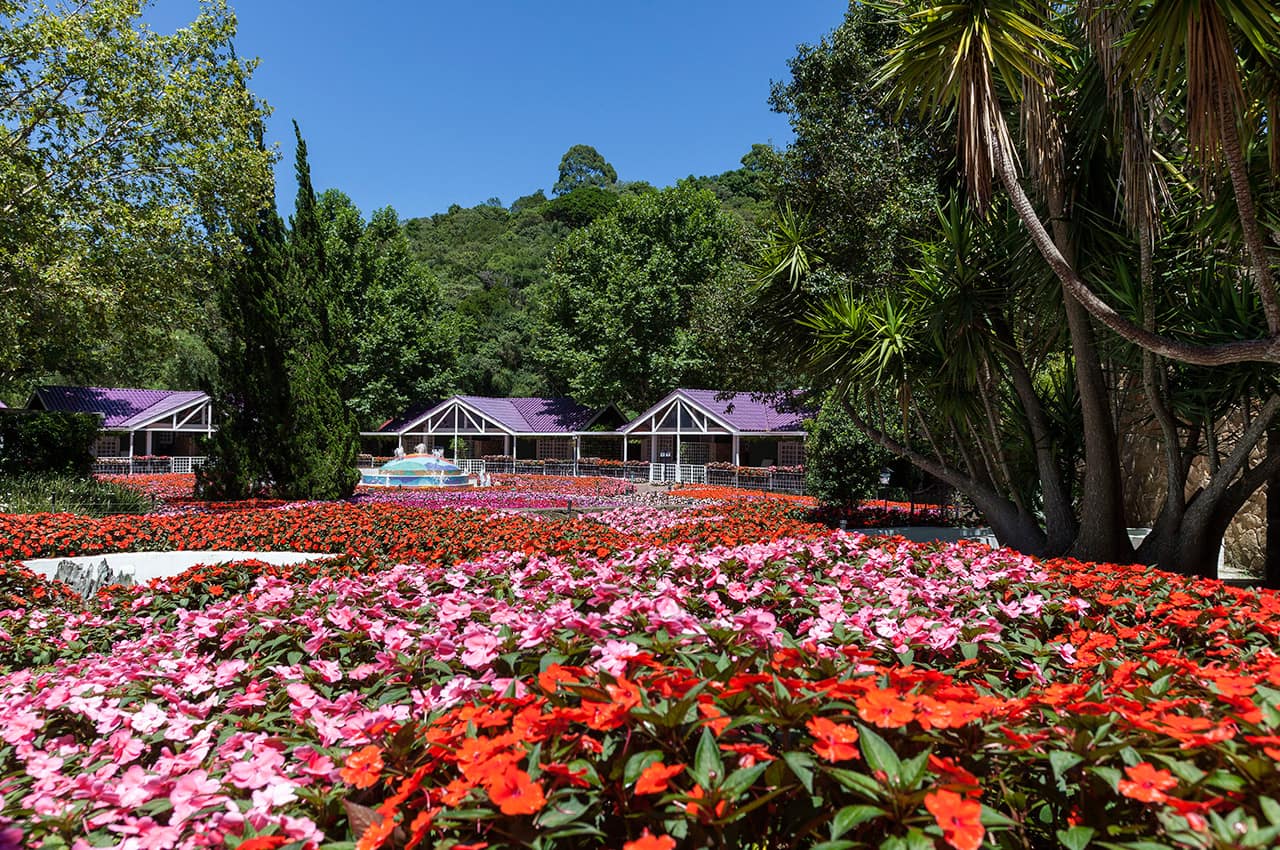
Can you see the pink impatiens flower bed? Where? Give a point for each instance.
(230, 720)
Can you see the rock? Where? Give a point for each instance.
(87, 579)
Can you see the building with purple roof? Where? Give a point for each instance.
(712, 426)
(135, 421)
(526, 428)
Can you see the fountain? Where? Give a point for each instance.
(418, 470)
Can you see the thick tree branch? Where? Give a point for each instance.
(1245, 351)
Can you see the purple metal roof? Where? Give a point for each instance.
(533, 415)
(744, 413)
(518, 415)
(121, 408)
(404, 420)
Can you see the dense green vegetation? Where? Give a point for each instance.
(286, 429)
(42, 493)
(124, 154)
(491, 264)
(1017, 253)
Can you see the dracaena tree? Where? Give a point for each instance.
(1095, 271)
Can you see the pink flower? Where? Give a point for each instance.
(134, 788)
(192, 792)
(148, 718)
(481, 648)
(262, 769)
(614, 656)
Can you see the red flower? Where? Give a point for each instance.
(1146, 783)
(959, 819)
(654, 778)
(649, 841)
(834, 741)
(697, 810)
(885, 709)
(264, 842)
(516, 793)
(363, 767)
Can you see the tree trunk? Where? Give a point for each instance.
(1059, 518)
(1101, 534)
(1014, 527)
(1272, 576)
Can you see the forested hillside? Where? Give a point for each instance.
(521, 299)
(491, 262)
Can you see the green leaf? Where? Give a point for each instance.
(991, 817)
(879, 755)
(708, 766)
(859, 782)
(1062, 761)
(1076, 838)
(740, 780)
(637, 763)
(562, 812)
(801, 765)
(851, 816)
(1108, 774)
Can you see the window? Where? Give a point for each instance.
(164, 438)
(107, 445)
(790, 453)
(694, 452)
(555, 448)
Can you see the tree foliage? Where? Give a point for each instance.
(640, 301)
(582, 165)
(285, 429)
(124, 155)
(841, 464)
(981, 326)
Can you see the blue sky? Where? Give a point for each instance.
(423, 104)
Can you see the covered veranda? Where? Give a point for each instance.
(519, 428)
(698, 427)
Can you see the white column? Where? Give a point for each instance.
(624, 448)
(148, 443)
(736, 450)
(653, 447)
(676, 456)
(506, 444)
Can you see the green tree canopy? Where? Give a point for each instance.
(124, 156)
(582, 165)
(286, 429)
(1083, 194)
(633, 298)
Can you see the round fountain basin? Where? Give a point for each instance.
(427, 471)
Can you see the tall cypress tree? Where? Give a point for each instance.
(320, 462)
(252, 396)
(284, 427)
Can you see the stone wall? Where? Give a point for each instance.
(1142, 460)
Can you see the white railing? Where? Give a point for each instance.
(146, 465)
(686, 473)
(470, 467)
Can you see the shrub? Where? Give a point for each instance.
(47, 441)
(31, 494)
(842, 466)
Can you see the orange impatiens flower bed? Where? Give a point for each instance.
(722, 675)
